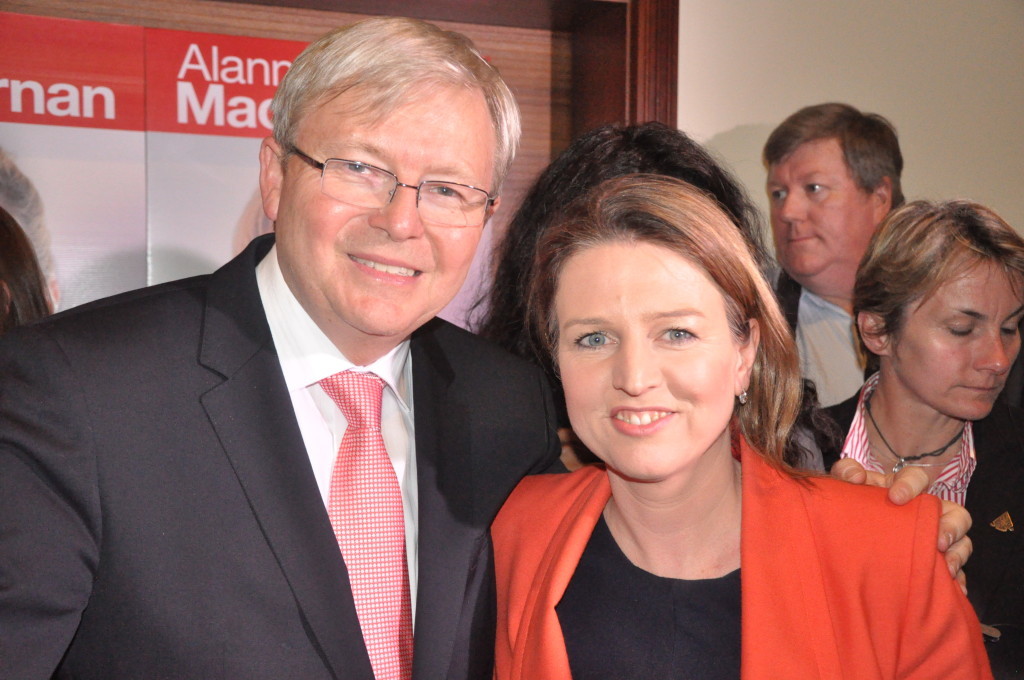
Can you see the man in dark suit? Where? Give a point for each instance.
(166, 455)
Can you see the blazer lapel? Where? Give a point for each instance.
(539, 631)
(452, 530)
(252, 414)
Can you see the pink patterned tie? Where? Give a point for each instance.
(365, 508)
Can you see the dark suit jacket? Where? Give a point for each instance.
(159, 517)
(995, 572)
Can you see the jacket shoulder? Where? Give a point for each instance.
(234, 284)
(843, 571)
(834, 510)
(467, 350)
(539, 503)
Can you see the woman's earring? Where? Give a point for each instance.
(742, 397)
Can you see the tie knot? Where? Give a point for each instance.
(358, 395)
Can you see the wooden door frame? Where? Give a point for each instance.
(653, 48)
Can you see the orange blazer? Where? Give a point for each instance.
(837, 582)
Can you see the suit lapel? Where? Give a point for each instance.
(252, 415)
(452, 533)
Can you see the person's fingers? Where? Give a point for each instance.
(956, 557)
(878, 479)
(849, 470)
(961, 579)
(908, 483)
(954, 523)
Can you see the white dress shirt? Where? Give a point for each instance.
(829, 351)
(308, 356)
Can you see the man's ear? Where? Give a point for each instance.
(872, 333)
(271, 176)
(492, 209)
(881, 197)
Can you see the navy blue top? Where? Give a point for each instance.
(622, 622)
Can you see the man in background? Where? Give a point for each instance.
(833, 176)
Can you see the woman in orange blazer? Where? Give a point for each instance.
(697, 550)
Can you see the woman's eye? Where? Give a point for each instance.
(678, 335)
(960, 332)
(592, 340)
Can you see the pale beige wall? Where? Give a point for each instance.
(949, 74)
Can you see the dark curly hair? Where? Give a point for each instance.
(604, 153)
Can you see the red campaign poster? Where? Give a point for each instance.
(141, 144)
(70, 73)
(203, 83)
(71, 119)
(207, 109)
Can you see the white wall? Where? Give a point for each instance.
(949, 74)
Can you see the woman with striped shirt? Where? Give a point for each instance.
(938, 300)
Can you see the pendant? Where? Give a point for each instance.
(899, 466)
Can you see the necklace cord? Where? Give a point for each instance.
(903, 460)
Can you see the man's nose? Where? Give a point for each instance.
(400, 218)
(791, 207)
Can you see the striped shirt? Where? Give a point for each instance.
(951, 484)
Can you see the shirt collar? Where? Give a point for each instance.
(957, 471)
(306, 354)
(824, 305)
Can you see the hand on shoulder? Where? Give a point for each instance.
(907, 484)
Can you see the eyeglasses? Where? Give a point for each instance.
(447, 204)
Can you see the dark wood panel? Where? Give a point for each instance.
(625, 62)
(654, 61)
(599, 73)
(545, 14)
